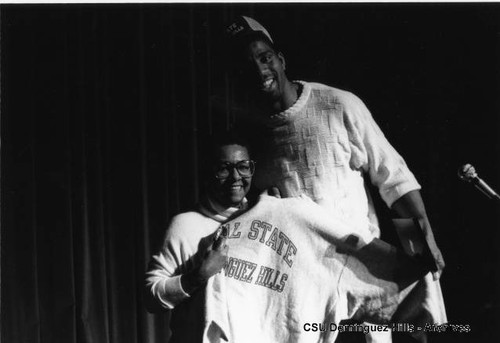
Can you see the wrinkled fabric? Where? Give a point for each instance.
(292, 264)
(187, 234)
(323, 146)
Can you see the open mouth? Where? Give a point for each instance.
(267, 84)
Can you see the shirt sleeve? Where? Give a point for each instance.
(375, 155)
(163, 283)
(163, 277)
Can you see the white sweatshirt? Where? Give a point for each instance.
(181, 244)
(292, 265)
(323, 146)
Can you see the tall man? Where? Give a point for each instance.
(322, 141)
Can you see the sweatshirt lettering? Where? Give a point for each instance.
(276, 241)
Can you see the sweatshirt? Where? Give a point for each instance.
(292, 267)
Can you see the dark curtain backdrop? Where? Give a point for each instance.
(103, 107)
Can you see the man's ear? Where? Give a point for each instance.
(282, 59)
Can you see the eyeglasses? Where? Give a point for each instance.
(245, 168)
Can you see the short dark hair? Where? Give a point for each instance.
(211, 142)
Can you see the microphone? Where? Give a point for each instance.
(468, 173)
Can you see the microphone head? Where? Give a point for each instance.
(467, 172)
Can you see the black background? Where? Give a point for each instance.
(130, 87)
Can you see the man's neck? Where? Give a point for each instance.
(290, 96)
(265, 107)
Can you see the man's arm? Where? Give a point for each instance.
(388, 171)
(411, 205)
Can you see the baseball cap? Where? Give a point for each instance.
(245, 27)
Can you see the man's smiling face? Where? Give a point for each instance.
(262, 70)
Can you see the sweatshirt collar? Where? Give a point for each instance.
(279, 118)
(212, 209)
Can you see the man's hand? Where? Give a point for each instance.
(438, 264)
(411, 205)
